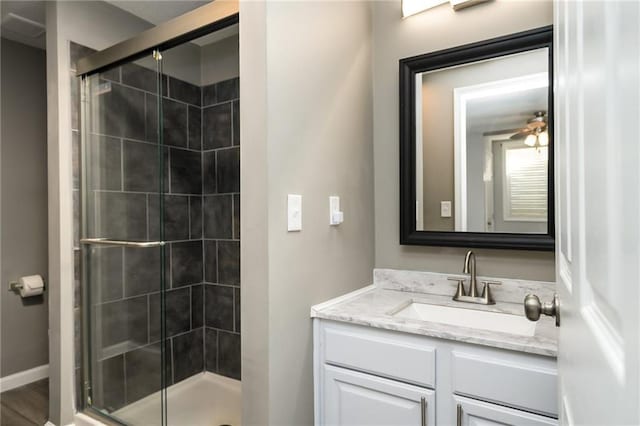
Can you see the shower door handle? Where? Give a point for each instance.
(135, 244)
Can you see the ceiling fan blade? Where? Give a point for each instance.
(522, 134)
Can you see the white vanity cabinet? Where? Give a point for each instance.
(369, 376)
(354, 398)
(478, 413)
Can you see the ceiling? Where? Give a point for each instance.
(155, 12)
(164, 10)
(31, 10)
(505, 111)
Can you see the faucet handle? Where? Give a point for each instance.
(486, 291)
(460, 290)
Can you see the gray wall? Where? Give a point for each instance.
(395, 38)
(220, 61)
(306, 129)
(181, 62)
(24, 205)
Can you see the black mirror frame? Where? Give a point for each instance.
(409, 67)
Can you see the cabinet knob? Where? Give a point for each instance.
(533, 308)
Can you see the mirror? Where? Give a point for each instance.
(482, 146)
(477, 145)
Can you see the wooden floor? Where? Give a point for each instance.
(25, 406)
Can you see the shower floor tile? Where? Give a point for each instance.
(205, 399)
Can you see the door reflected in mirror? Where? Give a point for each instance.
(482, 146)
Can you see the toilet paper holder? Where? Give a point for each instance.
(15, 286)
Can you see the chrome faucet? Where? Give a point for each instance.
(461, 295)
(470, 268)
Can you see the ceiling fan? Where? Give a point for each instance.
(535, 133)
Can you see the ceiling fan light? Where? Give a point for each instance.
(543, 138)
(411, 7)
(530, 140)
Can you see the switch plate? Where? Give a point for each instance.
(445, 208)
(336, 217)
(294, 213)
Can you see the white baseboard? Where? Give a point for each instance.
(24, 378)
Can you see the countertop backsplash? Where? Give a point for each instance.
(511, 290)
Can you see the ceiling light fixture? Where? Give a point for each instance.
(412, 7)
(535, 134)
(20, 25)
(463, 4)
(543, 138)
(531, 140)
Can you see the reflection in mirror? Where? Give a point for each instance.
(482, 146)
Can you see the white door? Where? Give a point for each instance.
(477, 413)
(357, 399)
(597, 56)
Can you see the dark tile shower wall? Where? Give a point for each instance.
(201, 222)
(221, 197)
(128, 295)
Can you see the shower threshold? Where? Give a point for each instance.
(205, 399)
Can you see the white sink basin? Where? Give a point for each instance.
(471, 318)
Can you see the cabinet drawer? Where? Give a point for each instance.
(514, 380)
(357, 399)
(398, 356)
(471, 413)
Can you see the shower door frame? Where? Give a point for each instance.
(86, 319)
(197, 23)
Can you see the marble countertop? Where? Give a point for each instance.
(372, 306)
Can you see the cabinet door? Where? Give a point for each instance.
(476, 413)
(352, 398)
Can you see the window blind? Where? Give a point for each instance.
(526, 183)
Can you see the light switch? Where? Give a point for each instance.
(445, 208)
(294, 213)
(336, 217)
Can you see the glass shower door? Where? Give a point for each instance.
(122, 197)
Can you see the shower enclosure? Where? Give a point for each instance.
(160, 260)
